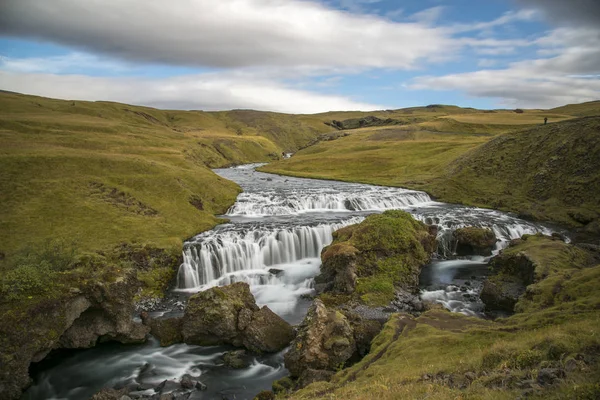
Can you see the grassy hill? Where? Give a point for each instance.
(547, 172)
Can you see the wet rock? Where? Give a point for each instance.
(167, 386)
(267, 332)
(229, 315)
(109, 394)
(338, 270)
(513, 272)
(404, 301)
(472, 240)
(167, 330)
(201, 386)
(325, 341)
(187, 381)
(211, 316)
(236, 359)
(549, 376)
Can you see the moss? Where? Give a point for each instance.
(283, 385)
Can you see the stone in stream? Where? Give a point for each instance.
(472, 240)
(236, 359)
(225, 315)
(325, 341)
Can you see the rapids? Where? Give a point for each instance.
(276, 231)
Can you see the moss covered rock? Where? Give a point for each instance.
(229, 315)
(472, 240)
(325, 341)
(374, 258)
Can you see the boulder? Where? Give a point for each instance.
(211, 316)
(310, 375)
(236, 359)
(229, 315)
(267, 332)
(167, 330)
(338, 269)
(512, 273)
(474, 241)
(325, 341)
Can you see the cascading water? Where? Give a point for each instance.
(277, 229)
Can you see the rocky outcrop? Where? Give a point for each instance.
(325, 342)
(377, 257)
(472, 240)
(225, 315)
(99, 312)
(512, 273)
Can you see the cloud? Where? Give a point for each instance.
(227, 33)
(210, 91)
(567, 77)
(567, 13)
(62, 63)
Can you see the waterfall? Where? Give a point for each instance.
(225, 256)
(504, 226)
(369, 198)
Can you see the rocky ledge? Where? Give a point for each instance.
(225, 315)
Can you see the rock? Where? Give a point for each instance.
(470, 376)
(236, 359)
(267, 332)
(405, 301)
(549, 376)
(310, 375)
(201, 386)
(110, 394)
(211, 316)
(364, 331)
(167, 386)
(167, 330)
(187, 381)
(325, 341)
(512, 274)
(229, 315)
(338, 269)
(471, 240)
(275, 271)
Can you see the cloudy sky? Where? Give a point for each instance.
(303, 56)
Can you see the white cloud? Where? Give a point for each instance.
(211, 91)
(227, 33)
(62, 63)
(568, 77)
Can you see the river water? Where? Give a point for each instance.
(278, 227)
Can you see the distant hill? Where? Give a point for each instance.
(588, 109)
(549, 172)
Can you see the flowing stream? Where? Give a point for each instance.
(277, 229)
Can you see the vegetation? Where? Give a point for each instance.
(387, 251)
(497, 159)
(548, 349)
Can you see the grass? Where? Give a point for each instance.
(441, 355)
(497, 159)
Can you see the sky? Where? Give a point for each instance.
(303, 56)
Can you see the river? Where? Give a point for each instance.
(278, 227)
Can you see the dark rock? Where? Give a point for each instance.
(167, 386)
(236, 359)
(471, 376)
(167, 330)
(339, 268)
(201, 386)
(267, 332)
(513, 273)
(275, 271)
(471, 240)
(229, 315)
(404, 301)
(211, 316)
(187, 381)
(325, 341)
(109, 394)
